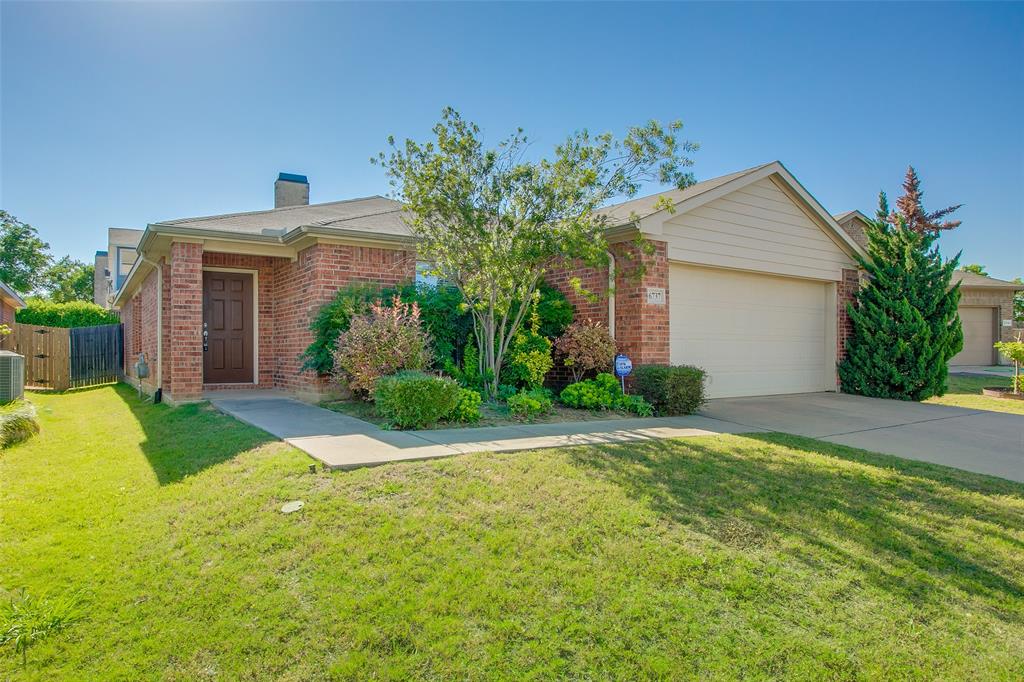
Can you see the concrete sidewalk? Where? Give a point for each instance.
(343, 442)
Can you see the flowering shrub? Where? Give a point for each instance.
(379, 343)
(585, 346)
(413, 399)
(527, 405)
(604, 393)
(467, 409)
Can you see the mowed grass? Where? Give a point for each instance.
(728, 557)
(965, 391)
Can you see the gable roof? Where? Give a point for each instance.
(641, 207)
(974, 280)
(846, 215)
(649, 209)
(277, 222)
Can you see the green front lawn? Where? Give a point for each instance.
(768, 557)
(965, 391)
(491, 414)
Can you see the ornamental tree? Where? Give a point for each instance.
(905, 322)
(24, 257)
(493, 220)
(910, 210)
(1014, 350)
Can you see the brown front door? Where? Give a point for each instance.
(227, 327)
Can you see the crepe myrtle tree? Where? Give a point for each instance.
(493, 220)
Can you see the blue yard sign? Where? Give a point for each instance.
(623, 366)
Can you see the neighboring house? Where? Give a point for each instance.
(113, 265)
(10, 302)
(986, 305)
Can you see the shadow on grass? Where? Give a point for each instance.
(921, 532)
(182, 441)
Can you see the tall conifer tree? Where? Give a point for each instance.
(905, 322)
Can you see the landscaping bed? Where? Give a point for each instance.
(491, 414)
(18, 422)
(966, 391)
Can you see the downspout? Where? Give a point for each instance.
(611, 295)
(159, 323)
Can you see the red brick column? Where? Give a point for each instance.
(845, 291)
(641, 328)
(184, 322)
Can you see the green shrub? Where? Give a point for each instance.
(527, 405)
(70, 314)
(467, 409)
(379, 343)
(505, 391)
(468, 374)
(332, 319)
(671, 390)
(17, 422)
(444, 315)
(414, 399)
(529, 360)
(554, 310)
(604, 392)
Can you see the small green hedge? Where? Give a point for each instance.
(71, 314)
(527, 405)
(414, 399)
(17, 422)
(671, 390)
(603, 393)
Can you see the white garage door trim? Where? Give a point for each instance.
(754, 333)
(979, 325)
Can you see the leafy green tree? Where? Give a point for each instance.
(493, 220)
(1018, 302)
(23, 255)
(975, 268)
(905, 323)
(69, 280)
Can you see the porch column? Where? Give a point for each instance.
(641, 320)
(184, 323)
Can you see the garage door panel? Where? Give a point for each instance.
(753, 334)
(979, 326)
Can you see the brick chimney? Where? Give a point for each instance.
(291, 190)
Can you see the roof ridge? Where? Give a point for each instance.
(734, 175)
(178, 221)
(325, 223)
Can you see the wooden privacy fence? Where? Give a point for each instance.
(57, 358)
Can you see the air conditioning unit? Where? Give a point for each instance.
(12, 376)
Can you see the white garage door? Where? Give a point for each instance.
(979, 335)
(753, 334)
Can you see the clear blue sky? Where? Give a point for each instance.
(124, 114)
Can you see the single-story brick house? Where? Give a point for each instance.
(986, 305)
(748, 277)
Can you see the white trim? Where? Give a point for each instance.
(255, 317)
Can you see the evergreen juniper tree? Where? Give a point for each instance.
(905, 322)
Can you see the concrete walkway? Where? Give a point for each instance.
(343, 442)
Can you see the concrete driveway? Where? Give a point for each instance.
(974, 440)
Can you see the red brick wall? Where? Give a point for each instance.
(310, 281)
(845, 291)
(185, 319)
(641, 329)
(139, 320)
(6, 314)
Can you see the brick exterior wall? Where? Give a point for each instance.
(289, 295)
(6, 314)
(641, 329)
(184, 321)
(846, 288)
(139, 321)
